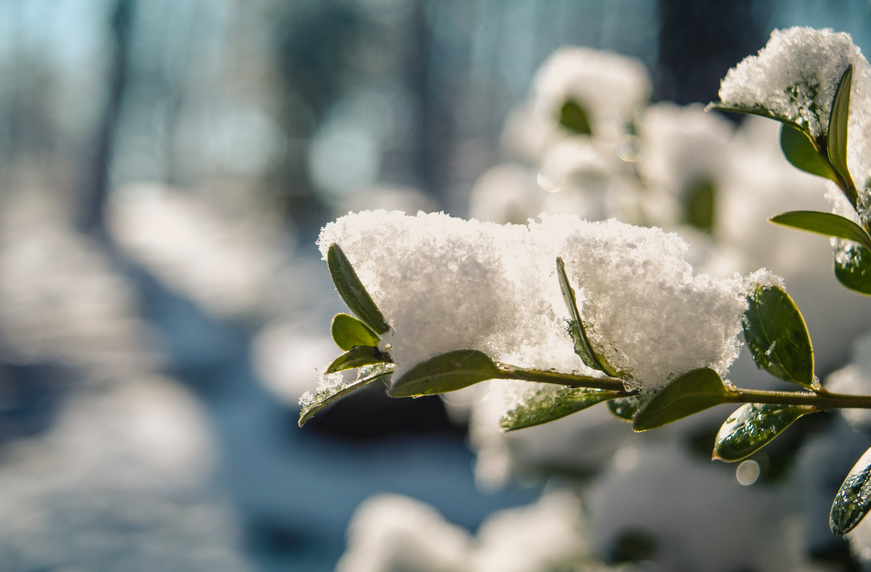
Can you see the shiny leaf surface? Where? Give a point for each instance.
(688, 394)
(838, 120)
(625, 408)
(582, 344)
(853, 500)
(799, 149)
(348, 332)
(357, 357)
(752, 426)
(551, 404)
(827, 224)
(446, 372)
(327, 396)
(853, 267)
(777, 336)
(353, 292)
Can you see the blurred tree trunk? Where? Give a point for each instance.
(95, 189)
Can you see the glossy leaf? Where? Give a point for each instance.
(353, 292)
(573, 117)
(827, 224)
(446, 372)
(552, 404)
(752, 426)
(349, 332)
(583, 347)
(853, 267)
(327, 396)
(838, 120)
(625, 408)
(799, 149)
(357, 357)
(777, 336)
(853, 500)
(686, 395)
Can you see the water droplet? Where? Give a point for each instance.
(747, 473)
(628, 150)
(547, 185)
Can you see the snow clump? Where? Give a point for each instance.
(794, 79)
(445, 284)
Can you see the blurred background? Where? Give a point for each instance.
(165, 168)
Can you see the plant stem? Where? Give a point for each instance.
(567, 379)
(820, 400)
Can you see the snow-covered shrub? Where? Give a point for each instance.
(567, 313)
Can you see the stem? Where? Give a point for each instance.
(821, 400)
(567, 379)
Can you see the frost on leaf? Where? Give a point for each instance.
(332, 386)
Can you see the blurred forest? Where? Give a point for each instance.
(165, 167)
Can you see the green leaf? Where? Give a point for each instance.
(573, 117)
(756, 110)
(625, 408)
(700, 201)
(358, 357)
(838, 120)
(582, 344)
(329, 394)
(853, 500)
(777, 336)
(799, 149)
(551, 404)
(349, 332)
(853, 267)
(352, 290)
(827, 224)
(446, 372)
(752, 426)
(686, 395)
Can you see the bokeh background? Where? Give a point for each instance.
(165, 167)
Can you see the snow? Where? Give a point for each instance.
(445, 284)
(794, 78)
(608, 87)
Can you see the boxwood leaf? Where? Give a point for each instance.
(827, 224)
(799, 149)
(349, 332)
(853, 266)
(358, 357)
(688, 394)
(752, 426)
(756, 110)
(330, 394)
(352, 291)
(551, 404)
(582, 344)
(838, 120)
(446, 372)
(573, 117)
(853, 500)
(777, 336)
(625, 408)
